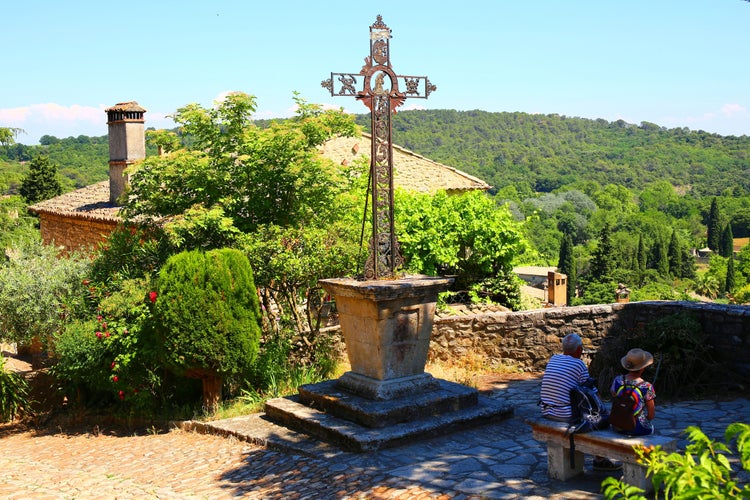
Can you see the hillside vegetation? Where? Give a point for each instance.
(541, 153)
(635, 200)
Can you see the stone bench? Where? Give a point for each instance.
(605, 443)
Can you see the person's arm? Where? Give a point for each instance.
(650, 410)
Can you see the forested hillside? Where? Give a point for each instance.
(80, 161)
(541, 153)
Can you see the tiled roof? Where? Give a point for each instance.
(90, 202)
(410, 170)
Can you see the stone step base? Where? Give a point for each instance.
(442, 397)
(351, 436)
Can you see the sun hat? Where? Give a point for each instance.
(636, 359)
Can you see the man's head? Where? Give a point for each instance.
(572, 345)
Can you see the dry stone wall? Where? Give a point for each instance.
(527, 339)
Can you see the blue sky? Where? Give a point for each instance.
(674, 63)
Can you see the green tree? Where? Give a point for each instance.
(273, 175)
(674, 255)
(41, 183)
(730, 281)
(743, 261)
(602, 259)
(8, 136)
(726, 242)
(641, 259)
(567, 265)
(466, 235)
(708, 285)
(207, 317)
(39, 291)
(660, 257)
(714, 225)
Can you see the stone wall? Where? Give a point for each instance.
(74, 233)
(528, 338)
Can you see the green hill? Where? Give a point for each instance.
(541, 153)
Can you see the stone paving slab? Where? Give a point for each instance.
(249, 457)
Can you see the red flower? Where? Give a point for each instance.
(115, 378)
(98, 335)
(106, 334)
(113, 365)
(121, 394)
(152, 297)
(104, 326)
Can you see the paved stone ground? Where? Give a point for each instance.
(499, 460)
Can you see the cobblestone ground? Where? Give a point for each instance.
(176, 464)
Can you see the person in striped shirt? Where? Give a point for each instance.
(563, 372)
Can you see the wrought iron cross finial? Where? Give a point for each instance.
(380, 93)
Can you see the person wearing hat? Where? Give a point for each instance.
(635, 362)
(562, 373)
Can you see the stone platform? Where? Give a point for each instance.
(355, 423)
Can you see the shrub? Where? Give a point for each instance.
(207, 317)
(39, 292)
(702, 471)
(14, 393)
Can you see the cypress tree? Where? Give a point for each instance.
(726, 242)
(713, 226)
(41, 182)
(729, 284)
(674, 255)
(660, 258)
(602, 258)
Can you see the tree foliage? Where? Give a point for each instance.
(256, 176)
(466, 235)
(41, 182)
(39, 292)
(714, 225)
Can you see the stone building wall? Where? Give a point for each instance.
(74, 233)
(528, 338)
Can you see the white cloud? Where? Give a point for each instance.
(733, 109)
(14, 116)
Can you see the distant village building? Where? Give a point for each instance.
(84, 218)
(544, 283)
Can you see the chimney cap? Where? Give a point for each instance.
(130, 106)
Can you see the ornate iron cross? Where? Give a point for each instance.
(380, 93)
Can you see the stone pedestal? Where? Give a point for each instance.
(386, 326)
(386, 398)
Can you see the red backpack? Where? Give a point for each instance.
(626, 405)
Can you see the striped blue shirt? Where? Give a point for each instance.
(563, 372)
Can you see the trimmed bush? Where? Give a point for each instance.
(207, 317)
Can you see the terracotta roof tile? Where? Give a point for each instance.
(90, 202)
(411, 170)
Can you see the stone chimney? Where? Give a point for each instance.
(127, 144)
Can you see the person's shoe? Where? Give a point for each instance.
(606, 465)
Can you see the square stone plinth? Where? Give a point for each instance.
(325, 412)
